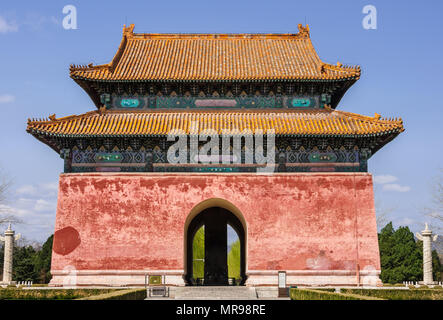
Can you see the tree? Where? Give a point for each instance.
(4, 185)
(437, 267)
(23, 264)
(42, 263)
(5, 217)
(400, 257)
(382, 212)
(30, 262)
(435, 211)
(198, 253)
(234, 260)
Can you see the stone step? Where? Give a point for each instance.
(215, 293)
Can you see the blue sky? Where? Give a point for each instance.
(401, 77)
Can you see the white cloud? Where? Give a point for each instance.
(44, 206)
(40, 190)
(50, 186)
(19, 212)
(6, 98)
(36, 21)
(396, 187)
(384, 178)
(27, 190)
(6, 26)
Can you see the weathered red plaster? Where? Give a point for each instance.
(314, 221)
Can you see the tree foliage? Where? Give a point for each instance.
(198, 256)
(5, 184)
(42, 264)
(30, 263)
(23, 264)
(401, 256)
(198, 253)
(234, 260)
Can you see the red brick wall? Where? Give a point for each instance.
(312, 221)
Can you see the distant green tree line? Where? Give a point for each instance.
(30, 264)
(401, 256)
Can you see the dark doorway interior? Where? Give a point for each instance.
(215, 221)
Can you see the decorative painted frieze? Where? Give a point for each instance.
(211, 102)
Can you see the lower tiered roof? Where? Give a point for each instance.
(307, 123)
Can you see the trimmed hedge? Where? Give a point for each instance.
(310, 294)
(130, 294)
(49, 294)
(393, 294)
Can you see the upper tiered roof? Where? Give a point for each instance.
(215, 57)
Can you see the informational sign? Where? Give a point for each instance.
(282, 279)
(155, 279)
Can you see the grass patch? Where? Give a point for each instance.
(50, 294)
(393, 285)
(130, 294)
(393, 294)
(39, 285)
(310, 294)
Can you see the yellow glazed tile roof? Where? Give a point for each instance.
(215, 57)
(305, 123)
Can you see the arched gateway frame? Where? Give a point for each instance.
(215, 214)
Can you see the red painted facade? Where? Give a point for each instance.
(316, 226)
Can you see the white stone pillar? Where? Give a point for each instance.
(426, 237)
(8, 238)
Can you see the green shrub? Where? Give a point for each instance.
(396, 294)
(309, 294)
(49, 294)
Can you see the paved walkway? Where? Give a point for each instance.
(221, 293)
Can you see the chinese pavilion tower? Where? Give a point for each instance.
(124, 210)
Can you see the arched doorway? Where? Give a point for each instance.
(215, 221)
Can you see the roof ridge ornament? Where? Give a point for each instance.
(128, 31)
(303, 31)
(102, 110)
